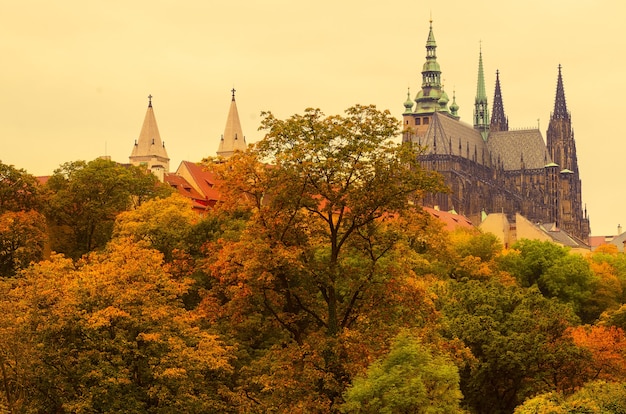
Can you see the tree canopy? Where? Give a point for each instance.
(83, 200)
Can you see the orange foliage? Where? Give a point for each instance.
(607, 346)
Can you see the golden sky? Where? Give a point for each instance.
(76, 74)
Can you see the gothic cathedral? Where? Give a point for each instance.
(489, 168)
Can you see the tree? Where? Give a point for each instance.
(165, 224)
(108, 334)
(607, 346)
(320, 247)
(555, 271)
(594, 397)
(22, 240)
(517, 338)
(530, 259)
(18, 190)
(84, 199)
(409, 379)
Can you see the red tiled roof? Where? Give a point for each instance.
(450, 220)
(205, 181)
(185, 189)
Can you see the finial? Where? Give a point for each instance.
(150, 101)
(233, 91)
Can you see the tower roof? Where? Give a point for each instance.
(149, 144)
(560, 107)
(481, 94)
(499, 122)
(429, 98)
(233, 138)
(481, 110)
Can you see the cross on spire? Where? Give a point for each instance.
(150, 100)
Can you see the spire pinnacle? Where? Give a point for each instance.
(481, 111)
(233, 138)
(560, 107)
(148, 149)
(499, 121)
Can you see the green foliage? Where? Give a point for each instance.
(84, 199)
(408, 379)
(516, 336)
(555, 271)
(594, 397)
(530, 259)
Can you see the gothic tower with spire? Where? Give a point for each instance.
(481, 110)
(233, 138)
(562, 148)
(149, 151)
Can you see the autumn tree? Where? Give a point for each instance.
(108, 334)
(319, 249)
(607, 346)
(164, 223)
(22, 228)
(18, 190)
(22, 240)
(83, 200)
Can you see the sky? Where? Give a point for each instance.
(75, 74)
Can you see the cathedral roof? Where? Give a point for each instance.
(233, 138)
(149, 143)
(515, 147)
(450, 136)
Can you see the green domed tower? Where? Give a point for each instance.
(431, 98)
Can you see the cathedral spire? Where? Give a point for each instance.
(481, 111)
(233, 138)
(560, 108)
(428, 98)
(149, 151)
(499, 122)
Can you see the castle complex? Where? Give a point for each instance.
(489, 168)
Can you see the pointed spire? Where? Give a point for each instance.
(149, 150)
(481, 95)
(481, 110)
(499, 122)
(233, 138)
(560, 108)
